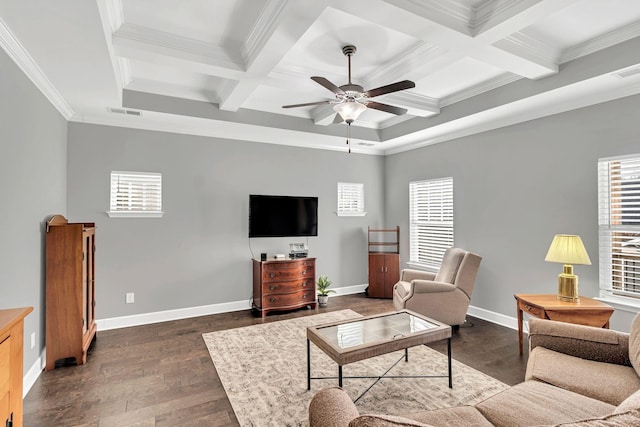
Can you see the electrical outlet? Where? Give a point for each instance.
(130, 297)
(33, 339)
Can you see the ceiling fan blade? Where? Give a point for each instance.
(306, 104)
(393, 87)
(338, 119)
(326, 83)
(386, 108)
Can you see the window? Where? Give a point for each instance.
(619, 224)
(350, 199)
(136, 194)
(430, 221)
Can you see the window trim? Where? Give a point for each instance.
(361, 201)
(154, 178)
(446, 203)
(608, 243)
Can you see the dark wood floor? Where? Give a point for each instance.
(162, 375)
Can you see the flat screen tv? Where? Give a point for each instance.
(282, 216)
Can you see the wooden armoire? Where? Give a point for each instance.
(70, 290)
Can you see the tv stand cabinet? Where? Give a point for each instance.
(283, 284)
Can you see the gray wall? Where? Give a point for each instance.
(33, 138)
(514, 189)
(199, 253)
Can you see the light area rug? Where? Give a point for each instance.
(263, 369)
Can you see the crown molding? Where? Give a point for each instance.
(485, 86)
(492, 10)
(208, 52)
(115, 14)
(603, 41)
(414, 101)
(264, 26)
(454, 14)
(528, 47)
(165, 122)
(26, 63)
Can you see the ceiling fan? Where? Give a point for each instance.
(351, 99)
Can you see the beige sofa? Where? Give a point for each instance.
(576, 376)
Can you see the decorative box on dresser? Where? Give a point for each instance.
(11, 371)
(70, 294)
(384, 261)
(283, 284)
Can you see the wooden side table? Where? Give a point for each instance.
(587, 311)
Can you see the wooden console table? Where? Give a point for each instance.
(587, 311)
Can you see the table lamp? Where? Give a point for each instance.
(568, 250)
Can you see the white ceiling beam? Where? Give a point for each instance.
(158, 47)
(276, 30)
(497, 19)
(412, 18)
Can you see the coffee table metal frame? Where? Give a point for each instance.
(389, 344)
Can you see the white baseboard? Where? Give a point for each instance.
(185, 313)
(167, 315)
(33, 373)
(349, 290)
(497, 318)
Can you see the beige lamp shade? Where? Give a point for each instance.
(567, 249)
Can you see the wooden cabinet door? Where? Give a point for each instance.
(391, 273)
(376, 275)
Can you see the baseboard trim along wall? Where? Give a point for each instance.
(168, 315)
(33, 373)
(497, 318)
(184, 313)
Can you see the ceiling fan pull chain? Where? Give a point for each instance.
(349, 136)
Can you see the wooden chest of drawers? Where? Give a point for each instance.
(11, 362)
(284, 284)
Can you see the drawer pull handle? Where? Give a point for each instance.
(272, 287)
(304, 296)
(272, 275)
(272, 300)
(304, 271)
(304, 284)
(527, 307)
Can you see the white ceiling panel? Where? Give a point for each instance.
(210, 21)
(456, 77)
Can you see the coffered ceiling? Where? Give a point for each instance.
(225, 68)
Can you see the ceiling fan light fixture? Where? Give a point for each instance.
(349, 110)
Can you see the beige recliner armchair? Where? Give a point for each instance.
(444, 296)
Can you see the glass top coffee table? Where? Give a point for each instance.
(353, 340)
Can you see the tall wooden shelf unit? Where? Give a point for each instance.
(70, 295)
(384, 261)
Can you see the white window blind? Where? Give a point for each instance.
(350, 199)
(136, 194)
(431, 220)
(619, 225)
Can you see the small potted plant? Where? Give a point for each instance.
(323, 290)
